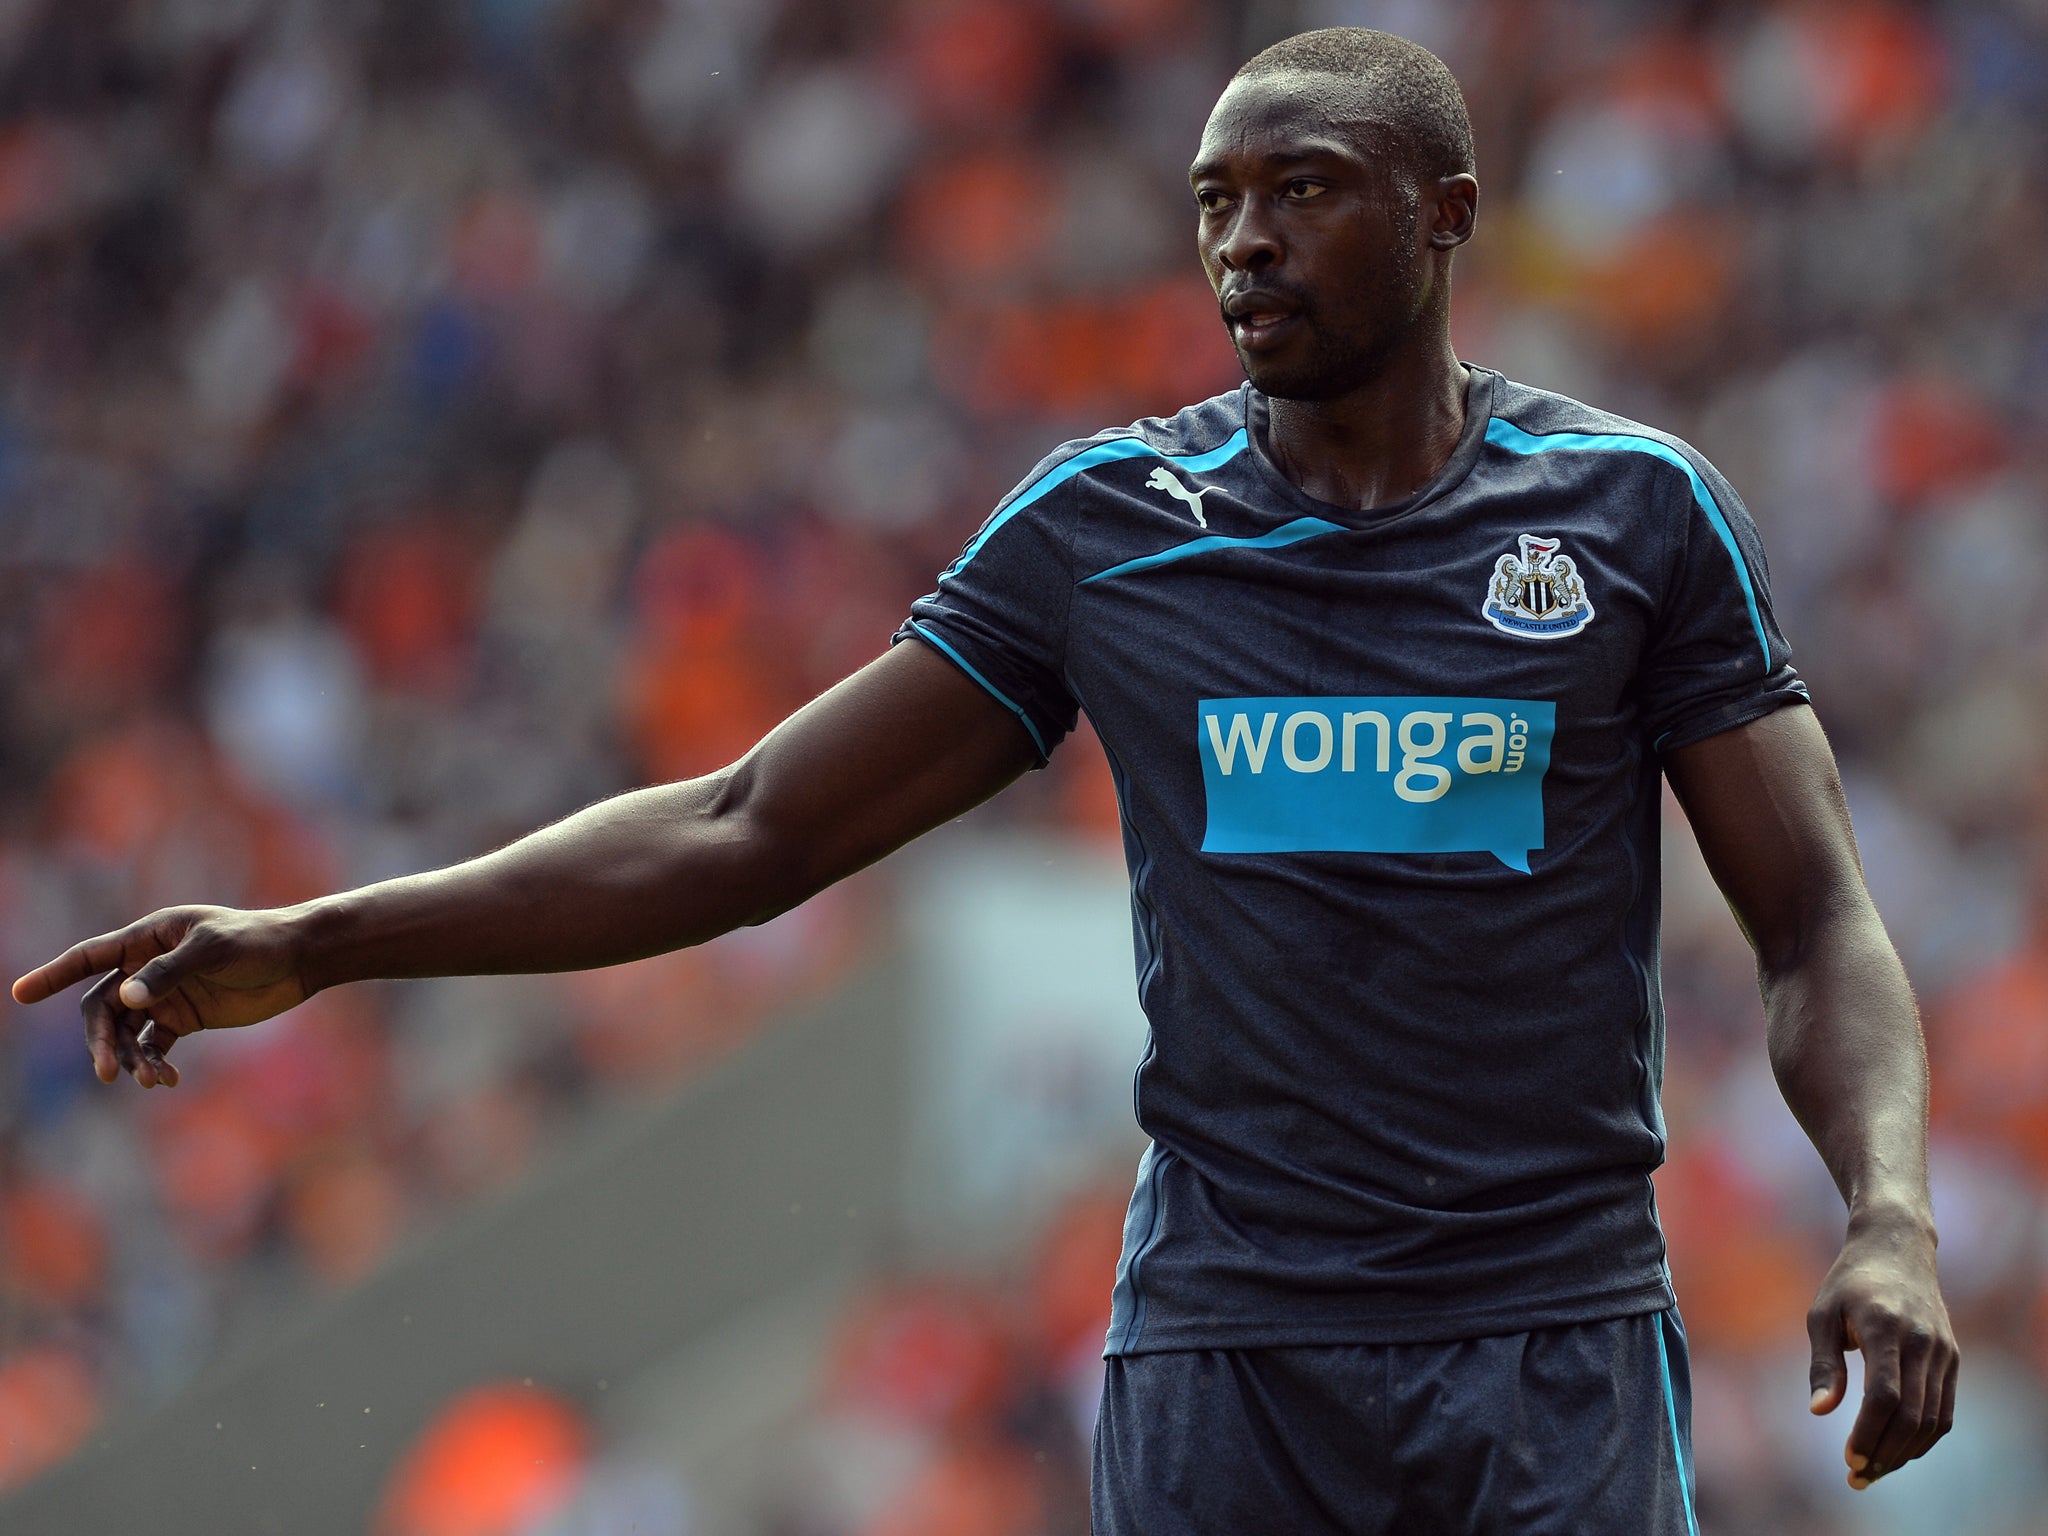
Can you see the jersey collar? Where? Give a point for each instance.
(1479, 396)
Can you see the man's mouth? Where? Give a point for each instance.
(1256, 319)
(1259, 328)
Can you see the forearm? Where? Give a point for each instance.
(1846, 1046)
(903, 745)
(639, 874)
(1844, 1037)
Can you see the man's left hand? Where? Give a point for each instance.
(1881, 1298)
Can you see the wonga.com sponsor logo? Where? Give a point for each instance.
(1375, 775)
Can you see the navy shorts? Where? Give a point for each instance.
(1583, 1430)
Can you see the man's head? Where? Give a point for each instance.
(1335, 180)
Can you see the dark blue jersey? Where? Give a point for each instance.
(1390, 796)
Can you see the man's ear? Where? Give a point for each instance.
(1455, 210)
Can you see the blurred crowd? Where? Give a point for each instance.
(945, 1404)
(421, 417)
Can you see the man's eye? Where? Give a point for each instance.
(1303, 188)
(1209, 202)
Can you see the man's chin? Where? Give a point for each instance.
(1277, 381)
(1320, 376)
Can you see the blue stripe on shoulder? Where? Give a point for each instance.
(925, 634)
(1101, 453)
(1279, 538)
(1506, 435)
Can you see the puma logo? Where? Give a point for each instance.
(1162, 479)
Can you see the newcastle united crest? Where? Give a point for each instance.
(1538, 593)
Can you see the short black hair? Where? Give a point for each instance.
(1402, 83)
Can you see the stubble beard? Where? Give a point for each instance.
(1342, 360)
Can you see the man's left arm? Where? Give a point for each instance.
(1766, 803)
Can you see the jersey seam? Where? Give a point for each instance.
(934, 639)
(1138, 877)
(1670, 529)
(1134, 1325)
(1645, 1020)
(1125, 1340)
(1067, 613)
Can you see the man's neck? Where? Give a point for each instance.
(1382, 442)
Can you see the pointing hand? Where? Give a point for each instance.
(175, 972)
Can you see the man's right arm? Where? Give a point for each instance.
(902, 746)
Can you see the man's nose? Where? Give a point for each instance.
(1249, 242)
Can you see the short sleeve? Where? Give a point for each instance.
(1716, 657)
(999, 612)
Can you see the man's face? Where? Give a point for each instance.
(1312, 233)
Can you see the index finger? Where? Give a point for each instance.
(76, 964)
(1882, 1398)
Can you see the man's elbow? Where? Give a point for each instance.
(1829, 920)
(764, 852)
